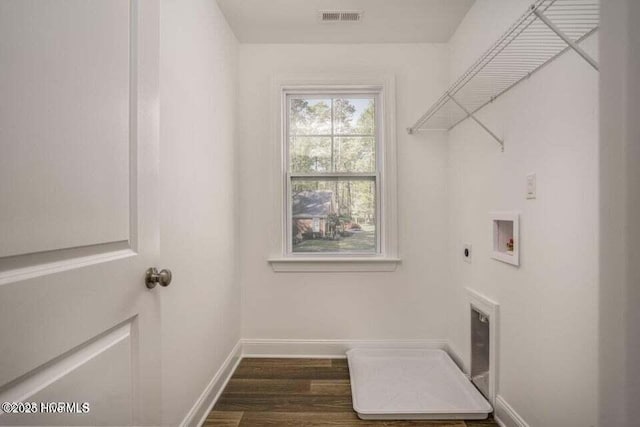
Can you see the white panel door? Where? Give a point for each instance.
(78, 212)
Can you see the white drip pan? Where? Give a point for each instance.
(412, 384)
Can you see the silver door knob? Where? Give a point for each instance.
(153, 277)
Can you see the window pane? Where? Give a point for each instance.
(333, 216)
(310, 154)
(354, 116)
(355, 154)
(310, 116)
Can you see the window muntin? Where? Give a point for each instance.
(333, 173)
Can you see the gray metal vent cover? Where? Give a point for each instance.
(340, 15)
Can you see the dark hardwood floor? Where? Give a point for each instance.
(300, 393)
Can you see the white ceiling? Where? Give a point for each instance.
(384, 21)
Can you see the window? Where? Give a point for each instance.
(333, 160)
(334, 139)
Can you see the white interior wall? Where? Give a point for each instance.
(549, 305)
(411, 302)
(201, 307)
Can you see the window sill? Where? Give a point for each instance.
(307, 264)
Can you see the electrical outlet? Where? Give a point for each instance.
(531, 186)
(466, 253)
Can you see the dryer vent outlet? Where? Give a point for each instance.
(480, 350)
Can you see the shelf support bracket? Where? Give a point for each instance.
(573, 45)
(475, 119)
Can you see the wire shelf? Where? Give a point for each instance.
(544, 32)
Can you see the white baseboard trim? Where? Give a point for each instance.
(208, 398)
(506, 416)
(326, 348)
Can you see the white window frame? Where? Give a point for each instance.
(283, 259)
(374, 176)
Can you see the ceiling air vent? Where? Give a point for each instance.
(340, 15)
